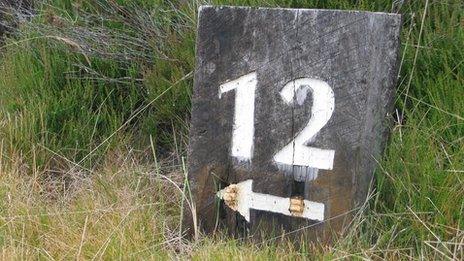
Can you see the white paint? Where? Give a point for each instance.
(299, 173)
(210, 67)
(243, 133)
(247, 199)
(296, 153)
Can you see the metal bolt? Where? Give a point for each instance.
(296, 206)
(230, 196)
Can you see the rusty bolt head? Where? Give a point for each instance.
(230, 196)
(296, 206)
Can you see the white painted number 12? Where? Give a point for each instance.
(296, 152)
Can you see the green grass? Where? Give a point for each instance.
(79, 131)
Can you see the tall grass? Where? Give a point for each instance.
(92, 91)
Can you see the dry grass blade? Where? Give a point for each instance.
(431, 232)
(415, 57)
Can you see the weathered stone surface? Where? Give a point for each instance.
(355, 53)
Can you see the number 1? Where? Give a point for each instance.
(243, 133)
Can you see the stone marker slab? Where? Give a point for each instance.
(289, 106)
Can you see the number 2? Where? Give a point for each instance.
(296, 152)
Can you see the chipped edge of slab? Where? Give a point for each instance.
(219, 7)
